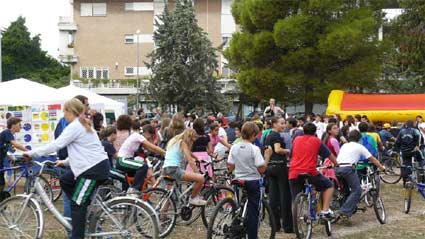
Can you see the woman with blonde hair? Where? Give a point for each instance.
(176, 127)
(87, 159)
(179, 148)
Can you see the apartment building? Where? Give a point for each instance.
(111, 39)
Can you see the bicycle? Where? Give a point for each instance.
(27, 173)
(414, 175)
(174, 201)
(21, 215)
(306, 208)
(370, 192)
(230, 215)
(391, 161)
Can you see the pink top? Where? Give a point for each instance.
(214, 140)
(131, 145)
(122, 135)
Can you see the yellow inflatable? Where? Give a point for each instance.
(377, 107)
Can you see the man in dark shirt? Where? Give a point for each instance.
(7, 140)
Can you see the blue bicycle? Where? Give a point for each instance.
(229, 219)
(25, 169)
(306, 208)
(410, 185)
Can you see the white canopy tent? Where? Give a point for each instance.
(25, 92)
(94, 99)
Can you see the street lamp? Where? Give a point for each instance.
(137, 71)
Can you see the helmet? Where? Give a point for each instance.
(387, 126)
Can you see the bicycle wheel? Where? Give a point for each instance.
(124, 217)
(300, 214)
(28, 225)
(267, 226)
(392, 174)
(213, 196)
(53, 178)
(165, 207)
(407, 195)
(224, 222)
(378, 207)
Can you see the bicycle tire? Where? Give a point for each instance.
(328, 228)
(266, 213)
(158, 203)
(6, 214)
(228, 208)
(392, 174)
(53, 177)
(298, 217)
(213, 196)
(408, 191)
(378, 207)
(133, 214)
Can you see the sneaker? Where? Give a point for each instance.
(132, 192)
(327, 215)
(197, 201)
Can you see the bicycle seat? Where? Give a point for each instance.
(169, 178)
(238, 182)
(304, 176)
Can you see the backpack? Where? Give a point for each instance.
(407, 138)
(370, 147)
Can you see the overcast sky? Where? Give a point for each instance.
(41, 16)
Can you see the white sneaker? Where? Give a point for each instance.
(132, 192)
(197, 201)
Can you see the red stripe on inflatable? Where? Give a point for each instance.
(383, 102)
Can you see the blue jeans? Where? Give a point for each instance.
(353, 182)
(66, 204)
(253, 208)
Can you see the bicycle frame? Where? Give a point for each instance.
(420, 186)
(25, 173)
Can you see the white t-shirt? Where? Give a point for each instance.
(130, 145)
(351, 153)
(320, 129)
(220, 148)
(247, 158)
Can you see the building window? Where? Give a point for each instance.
(139, 6)
(130, 71)
(129, 39)
(83, 72)
(93, 9)
(225, 40)
(94, 72)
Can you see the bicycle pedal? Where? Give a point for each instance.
(363, 209)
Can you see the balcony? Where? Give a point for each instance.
(68, 59)
(67, 24)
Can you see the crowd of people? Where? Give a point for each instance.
(273, 144)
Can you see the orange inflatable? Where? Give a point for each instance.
(377, 107)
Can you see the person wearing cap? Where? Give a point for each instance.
(385, 134)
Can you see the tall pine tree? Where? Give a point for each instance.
(184, 61)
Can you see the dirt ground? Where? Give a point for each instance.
(364, 225)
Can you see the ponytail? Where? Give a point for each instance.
(87, 124)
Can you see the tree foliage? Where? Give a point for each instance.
(22, 57)
(297, 51)
(405, 63)
(184, 61)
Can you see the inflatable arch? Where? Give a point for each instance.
(377, 107)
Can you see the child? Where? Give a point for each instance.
(7, 140)
(245, 158)
(108, 137)
(87, 159)
(179, 148)
(132, 164)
